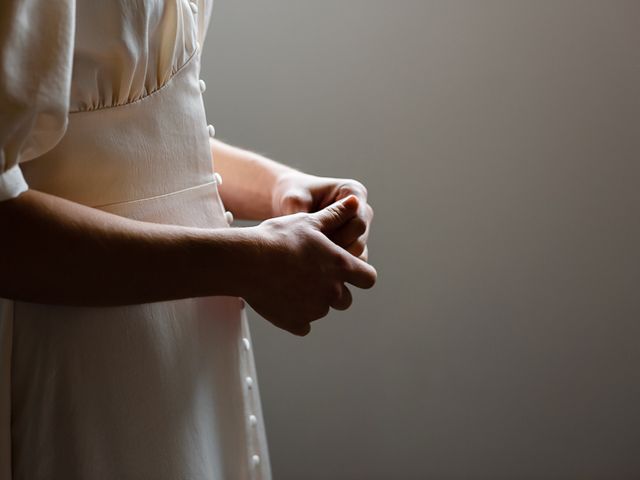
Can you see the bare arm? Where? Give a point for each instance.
(56, 251)
(59, 252)
(249, 180)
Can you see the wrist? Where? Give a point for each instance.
(228, 261)
(286, 183)
(271, 175)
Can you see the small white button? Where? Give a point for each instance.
(198, 45)
(218, 178)
(203, 86)
(249, 381)
(194, 7)
(229, 217)
(255, 460)
(246, 343)
(212, 131)
(253, 421)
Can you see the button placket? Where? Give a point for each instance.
(254, 451)
(255, 455)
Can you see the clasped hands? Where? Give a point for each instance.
(313, 246)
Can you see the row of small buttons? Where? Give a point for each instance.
(216, 176)
(253, 420)
(210, 128)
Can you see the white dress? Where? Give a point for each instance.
(100, 103)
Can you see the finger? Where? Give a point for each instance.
(344, 300)
(336, 214)
(322, 312)
(359, 273)
(353, 187)
(349, 233)
(357, 248)
(301, 330)
(352, 237)
(364, 256)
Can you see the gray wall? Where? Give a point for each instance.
(500, 142)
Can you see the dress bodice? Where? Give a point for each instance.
(64, 57)
(124, 50)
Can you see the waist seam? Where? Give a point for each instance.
(155, 197)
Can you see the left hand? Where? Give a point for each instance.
(298, 192)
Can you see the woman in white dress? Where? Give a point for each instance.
(124, 347)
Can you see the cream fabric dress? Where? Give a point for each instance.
(100, 103)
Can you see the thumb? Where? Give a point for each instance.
(336, 214)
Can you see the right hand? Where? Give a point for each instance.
(300, 273)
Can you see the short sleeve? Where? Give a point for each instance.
(36, 58)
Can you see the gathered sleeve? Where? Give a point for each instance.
(36, 58)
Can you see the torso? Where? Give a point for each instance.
(144, 391)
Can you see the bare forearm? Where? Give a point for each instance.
(59, 252)
(248, 180)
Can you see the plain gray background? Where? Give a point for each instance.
(500, 142)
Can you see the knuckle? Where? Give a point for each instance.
(316, 220)
(292, 197)
(355, 186)
(338, 209)
(331, 214)
(295, 201)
